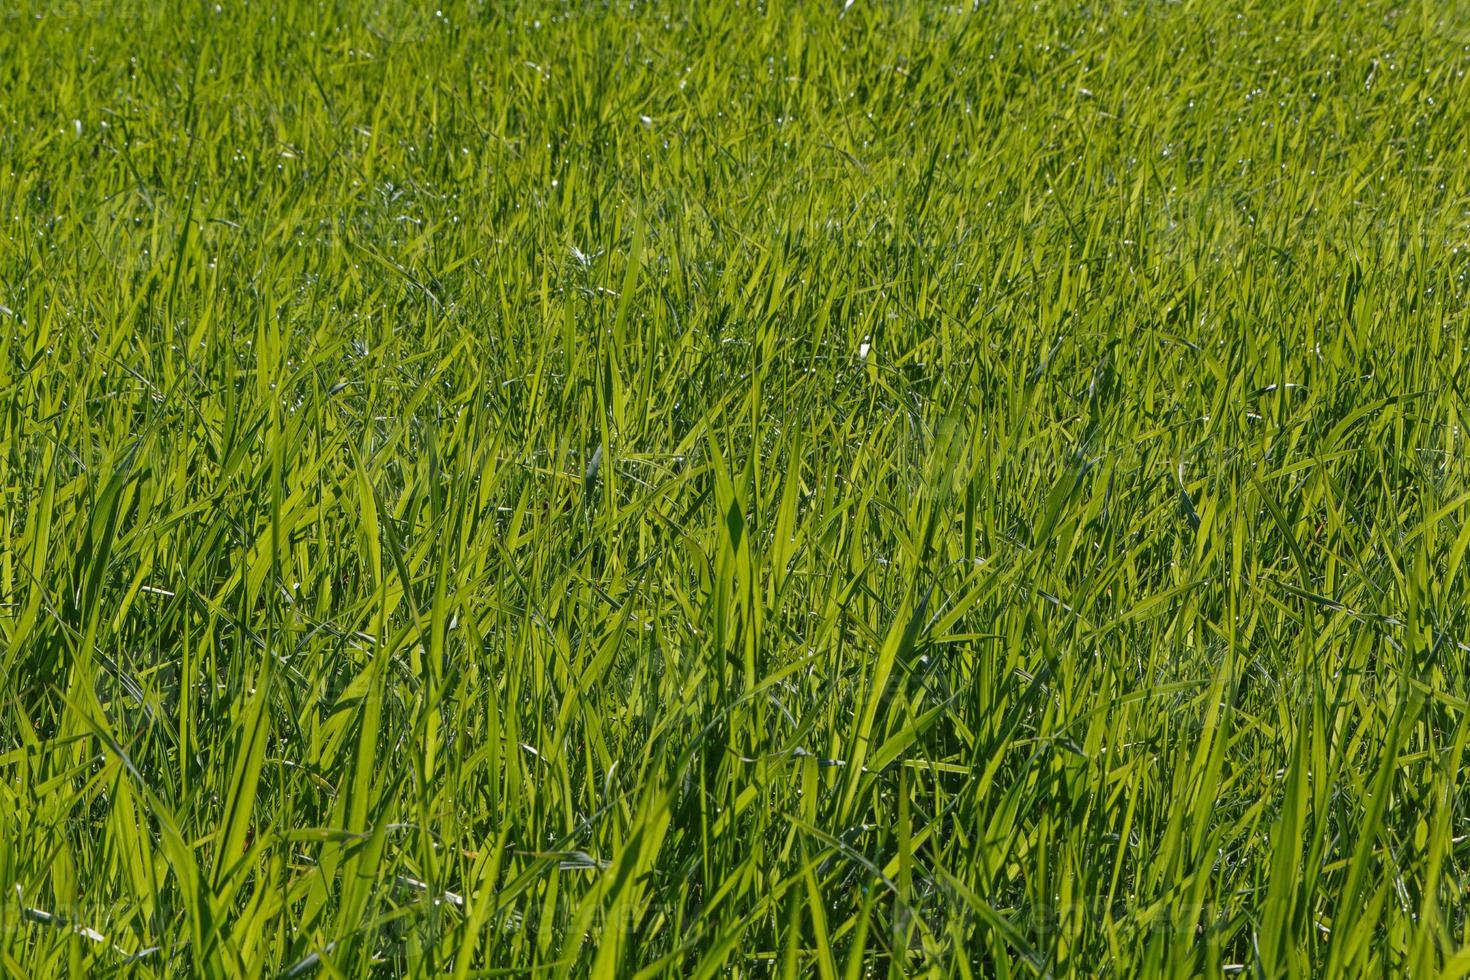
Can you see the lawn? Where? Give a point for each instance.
(734, 489)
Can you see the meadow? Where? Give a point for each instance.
(734, 489)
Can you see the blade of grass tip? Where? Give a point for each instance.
(719, 947)
(367, 499)
(1303, 570)
(396, 549)
(1362, 864)
(826, 961)
(95, 557)
(252, 735)
(1283, 896)
(613, 386)
(857, 948)
(630, 280)
(361, 871)
(198, 904)
(480, 899)
(900, 643)
(39, 520)
(619, 890)
(1056, 502)
(791, 954)
(1430, 937)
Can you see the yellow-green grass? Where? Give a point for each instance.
(734, 489)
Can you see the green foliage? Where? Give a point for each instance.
(734, 489)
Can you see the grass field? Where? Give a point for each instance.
(749, 489)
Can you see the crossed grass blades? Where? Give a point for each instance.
(734, 490)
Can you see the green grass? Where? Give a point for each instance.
(751, 490)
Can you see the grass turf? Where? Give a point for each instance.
(753, 489)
